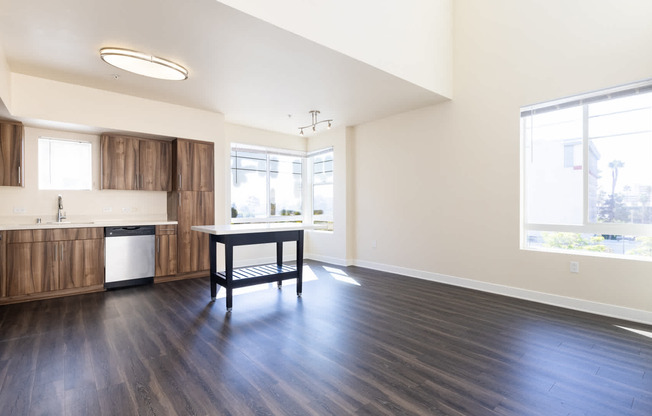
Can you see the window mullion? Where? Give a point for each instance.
(585, 163)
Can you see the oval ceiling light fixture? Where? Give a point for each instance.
(143, 64)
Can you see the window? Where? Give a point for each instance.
(64, 164)
(322, 187)
(587, 173)
(266, 185)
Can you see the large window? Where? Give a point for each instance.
(587, 173)
(64, 164)
(322, 187)
(266, 185)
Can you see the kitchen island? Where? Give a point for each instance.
(247, 234)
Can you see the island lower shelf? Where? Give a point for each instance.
(255, 275)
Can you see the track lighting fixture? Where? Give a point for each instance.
(313, 125)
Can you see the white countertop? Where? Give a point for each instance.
(82, 224)
(253, 228)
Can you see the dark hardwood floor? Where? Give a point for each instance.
(358, 342)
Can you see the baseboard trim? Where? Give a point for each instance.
(618, 312)
(327, 259)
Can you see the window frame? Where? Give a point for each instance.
(587, 227)
(268, 152)
(322, 218)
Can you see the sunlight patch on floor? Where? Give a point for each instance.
(636, 331)
(340, 275)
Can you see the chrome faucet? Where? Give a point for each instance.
(60, 214)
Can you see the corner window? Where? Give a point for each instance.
(266, 185)
(322, 187)
(587, 173)
(64, 164)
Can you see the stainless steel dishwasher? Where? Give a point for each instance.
(129, 256)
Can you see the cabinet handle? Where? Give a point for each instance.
(62, 252)
(158, 244)
(56, 251)
(179, 184)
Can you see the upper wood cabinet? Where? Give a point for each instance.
(192, 166)
(130, 163)
(11, 154)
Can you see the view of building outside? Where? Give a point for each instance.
(265, 186)
(606, 206)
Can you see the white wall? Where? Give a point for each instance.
(42, 99)
(438, 188)
(24, 205)
(5, 80)
(408, 39)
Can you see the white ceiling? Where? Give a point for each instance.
(255, 73)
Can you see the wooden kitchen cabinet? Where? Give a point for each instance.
(47, 260)
(11, 154)
(130, 163)
(81, 263)
(192, 165)
(166, 250)
(154, 162)
(3, 264)
(192, 208)
(32, 268)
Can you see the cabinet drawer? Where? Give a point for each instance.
(31, 236)
(166, 229)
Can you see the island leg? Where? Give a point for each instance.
(228, 264)
(212, 248)
(300, 263)
(279, 259)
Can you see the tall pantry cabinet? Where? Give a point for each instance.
(12, 155)
(192, 201)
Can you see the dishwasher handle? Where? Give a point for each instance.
(129, 230)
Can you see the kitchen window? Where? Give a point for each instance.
(587, 173)
(322, 187)
(64, 164)
(266, 185)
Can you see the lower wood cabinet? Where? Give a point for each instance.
(190, 208)
(49, 260)
(166, 250)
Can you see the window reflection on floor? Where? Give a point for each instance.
(636, 331)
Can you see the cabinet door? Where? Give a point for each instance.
(194, 166)
(81, 263)
(3, 264)
(32, 268)
(11, 154)
(202, 167)
(166, 255)
(195, 208)
(154, 165)
(119, 162)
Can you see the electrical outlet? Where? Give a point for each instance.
(373, 243)
(125, 210)
(107, 209)
(19, 210)
(574, 267)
